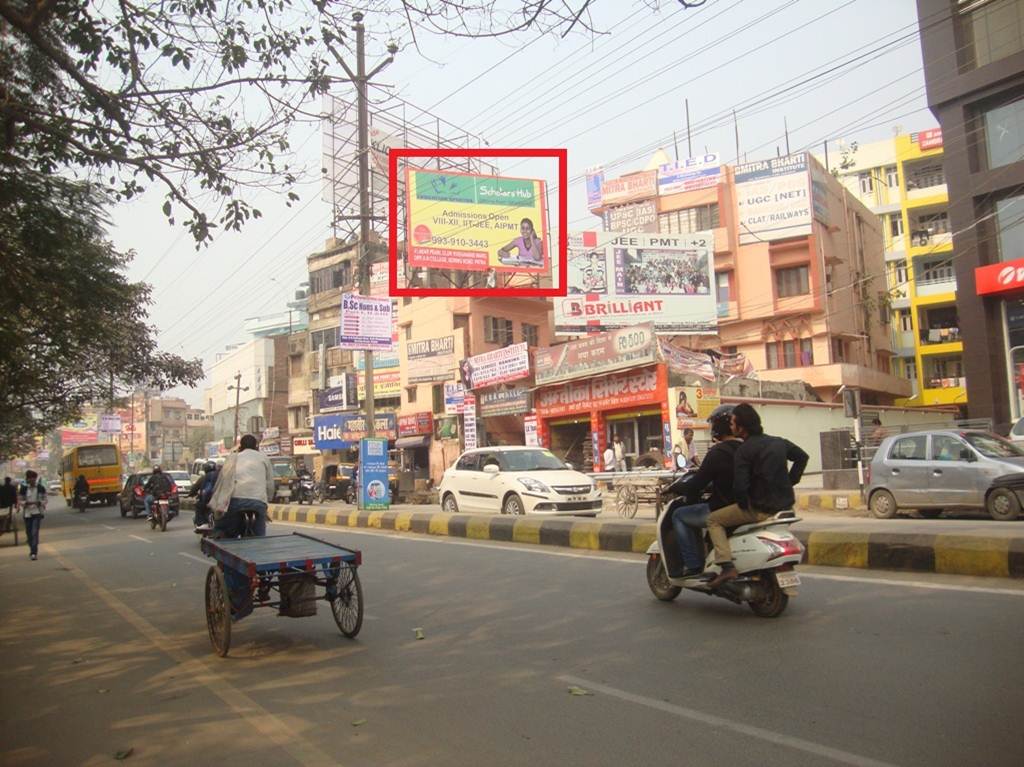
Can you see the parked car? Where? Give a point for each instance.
(945, 469)
(132, 498)
(517, 480)
(1017, 432)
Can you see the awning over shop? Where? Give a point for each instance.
(420, 440)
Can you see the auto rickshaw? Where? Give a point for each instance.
(334, 481)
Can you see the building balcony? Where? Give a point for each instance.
(923, 241)
(947, 393)
(927, 195)
(831, 377)
(940, 336)
(898, 251)
(934, 281)
(903, 342)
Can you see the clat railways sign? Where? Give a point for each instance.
(774, 199)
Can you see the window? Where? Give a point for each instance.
(905, 321)
(900, 273)
(698, 219)
(326, 338)
(530, 334)
(410, 394)
(408, 332)
(896, 225)
(990, 31)
(791, 282)
(771, 353)
(1004, 133)
(910, 370)
(840, 350)
(866, 182)
(98, 455)
(330, 277)
(793, 353)
(437, 398)
(892, 177)
(909, 449)
(468, 462)
(882, 362)
(946, 448)
(806, 352)
(1010, 223)
(722, 287)
(498, 330)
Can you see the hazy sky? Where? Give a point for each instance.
(614, 96)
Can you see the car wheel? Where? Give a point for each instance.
(513, 505)
(883, 505)
(449, 504)
(1002, 505)
(930, 513)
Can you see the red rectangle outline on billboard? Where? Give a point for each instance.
(563, 218)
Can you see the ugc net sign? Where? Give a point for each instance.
(476, 223)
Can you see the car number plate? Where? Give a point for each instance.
(787, 580)
(577, 498)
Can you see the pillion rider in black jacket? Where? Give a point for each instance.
(763, 484)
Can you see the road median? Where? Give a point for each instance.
(874, 549)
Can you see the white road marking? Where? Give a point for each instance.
(109, 527)
(640, 559)
(778, 738)
(200, 560)
(139, 538)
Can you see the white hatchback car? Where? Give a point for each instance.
(517, 480)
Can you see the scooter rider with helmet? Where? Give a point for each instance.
(203, 492)
(717, 471)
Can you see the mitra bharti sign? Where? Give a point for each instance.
(476, 223)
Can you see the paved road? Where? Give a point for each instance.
(105, 649)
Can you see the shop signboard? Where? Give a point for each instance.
(635, 186)
(691, 405)
(374, 492)
(601, 353)
(469, 422)
(379, 278)
(110, 423)
(430, 360)
(687, 362)
(687, 175)
(304, 446)
(270, 448)
(342, 397)
(773, 198)
(638, 217)
(366, 323)
(505, 402)
(611, 392)
(272, 432)
(343, 430)
(530, 436)
(381, 360)
(454, 398)
(72, 437)
(287, 446)
(415, 424)
(999, 278)
(510, 363)
(595, 178)
(929, 139)
(386, 384)
(213, 449)
(446, 428)
(475, 223)
(616, 280)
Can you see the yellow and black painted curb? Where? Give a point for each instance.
(830, 500)
(942, 553)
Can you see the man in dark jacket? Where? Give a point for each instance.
(202, 490)
(157, 486)
(716, 471)
(763, 484)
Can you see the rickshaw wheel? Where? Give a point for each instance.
(347, 604)
(218, 611)
(626, 501)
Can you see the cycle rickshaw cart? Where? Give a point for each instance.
(286, 572)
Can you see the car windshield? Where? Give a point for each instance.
(142, 479)
(530, 460)
(179, 476)
(991, 446)
(282, 470)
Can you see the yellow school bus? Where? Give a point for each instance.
(101, 465)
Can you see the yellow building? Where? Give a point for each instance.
(902, 180)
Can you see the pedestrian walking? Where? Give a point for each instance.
(32, 502)
(8, 498)
(609, 463)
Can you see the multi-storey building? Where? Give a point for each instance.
(902, 180)
(973, 53)
(259, 369)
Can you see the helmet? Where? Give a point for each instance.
(720, 421)
(209, 466)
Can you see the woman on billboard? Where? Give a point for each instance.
(529, 251)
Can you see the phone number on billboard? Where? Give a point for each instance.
(458, 242)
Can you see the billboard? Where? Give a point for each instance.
(366, 323)
(430, 360)
(635, 186)
(386, 383)
(638, 217)
(341, 397)
(344, 430)
(454, 398)
(476, 223)
(617, 280)
(595, 178)
(774, 199)
(687, 175)
(416, 424)
(509, 363)
(513, 401)
(929, 139)
(602, 353)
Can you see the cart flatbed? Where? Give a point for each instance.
(270, 553)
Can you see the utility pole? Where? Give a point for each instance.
(360, 78)
(689, 137)
(238, 389)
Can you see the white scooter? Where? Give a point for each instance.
(764, 553)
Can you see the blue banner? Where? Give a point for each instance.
(374, 492)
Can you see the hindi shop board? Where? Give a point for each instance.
(773, 198)
(616, 280)
(621, 349)
(366, 323)
(476, 223)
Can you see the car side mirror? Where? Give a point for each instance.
(569, 466)
(491, 468)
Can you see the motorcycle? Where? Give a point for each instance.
(306, 490)
(161, 513)
(81, 501)
(765, 554)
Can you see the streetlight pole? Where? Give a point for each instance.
(238, 389)
(360, 78)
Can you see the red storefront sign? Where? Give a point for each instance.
(929, 139)
(645, 386)
(416, 424)
(999, 278)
